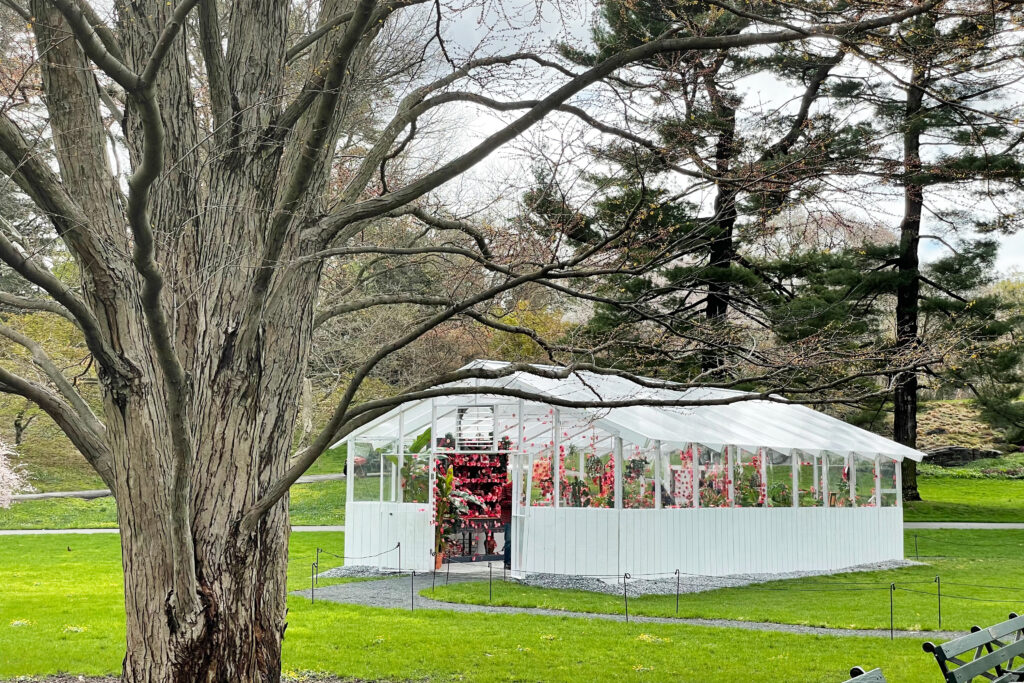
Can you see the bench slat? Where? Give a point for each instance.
(957, 647)
(970, 670)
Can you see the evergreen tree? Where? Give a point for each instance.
(956, 138)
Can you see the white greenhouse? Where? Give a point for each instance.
(740, 486)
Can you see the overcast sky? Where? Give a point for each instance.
(502, 26)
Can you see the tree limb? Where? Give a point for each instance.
(94, 46)
(383, 300)
(42, 360)
(85, 439)
(31, 304)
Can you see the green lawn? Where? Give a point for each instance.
(949, 499)
(319, 503)
(62, 611)
(989, 558)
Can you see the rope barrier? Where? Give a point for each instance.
(960, 597)
(363, 557)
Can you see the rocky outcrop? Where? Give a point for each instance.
(956, 456)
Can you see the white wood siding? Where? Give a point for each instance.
(707, 541)
(372, 528)
(600, 541)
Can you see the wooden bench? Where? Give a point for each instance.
(859, 675)
(992, 652)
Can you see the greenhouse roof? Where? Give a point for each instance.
(732, 419)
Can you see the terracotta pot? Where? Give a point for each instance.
(438, 560)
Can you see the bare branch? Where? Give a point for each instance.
(300, 47)
(443, 223)
(71, 423)
(30, 304)
(383, 300)
(380, 205)
(42, 360)
(94, 45)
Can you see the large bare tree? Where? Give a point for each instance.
(198, 274)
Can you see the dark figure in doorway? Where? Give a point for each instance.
(505, 504)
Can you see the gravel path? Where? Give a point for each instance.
(397, 593)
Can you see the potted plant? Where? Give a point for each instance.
(450, 504)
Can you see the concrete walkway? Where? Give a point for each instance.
(102, 493)
(398, 593)
(31, 532)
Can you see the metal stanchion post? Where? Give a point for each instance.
(448, 574)
(892, 629)
(677, 591)
(412, 591)
(312, 583)
(938, 592)
(625, 595)
(399, 546)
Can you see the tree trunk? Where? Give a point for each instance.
(721, 251)
(908, 281)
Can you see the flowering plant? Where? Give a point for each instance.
(450, 504)
(12, 477)
(714, 490)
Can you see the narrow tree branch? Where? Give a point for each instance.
(94, 46)
(71, 423)
(42, 360)
(30, 304)
(383, 300)
(300, 47)
(443, 223)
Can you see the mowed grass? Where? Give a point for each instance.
(858, 600)
(948, 499)
(61, 611)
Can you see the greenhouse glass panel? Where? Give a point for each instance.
(809, 477)
(887, 480)
(714, 477)
(779, 467)
(865, 474)
(748, 479)
(838, 480)
(637, 477)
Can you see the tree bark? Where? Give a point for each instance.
(722, 250)
(908, 281)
